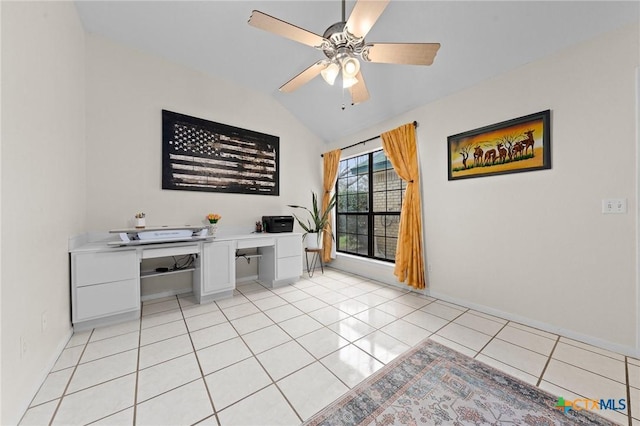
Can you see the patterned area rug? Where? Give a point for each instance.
(434, 385)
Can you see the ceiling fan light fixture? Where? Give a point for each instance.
(350, 66)
(330, 73)
(348, 81)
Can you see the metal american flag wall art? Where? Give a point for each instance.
(201, 155)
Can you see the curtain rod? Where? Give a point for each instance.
(415, 124)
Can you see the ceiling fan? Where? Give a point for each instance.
(344, 46)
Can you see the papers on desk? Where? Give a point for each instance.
(129, 237)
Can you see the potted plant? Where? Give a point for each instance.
(315, 227)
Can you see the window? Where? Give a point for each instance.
(368, 208)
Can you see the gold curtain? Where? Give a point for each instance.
(400, 147)
(331, 161)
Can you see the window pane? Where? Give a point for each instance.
(394, 201)
(342, 223)
(393, 180)
(363, 224)
(352, 203)
(379, 201)
(363, 202)
(363, 245)
(352, 225)
(342, 203)
(363, 164)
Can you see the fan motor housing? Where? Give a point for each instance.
(341, 40)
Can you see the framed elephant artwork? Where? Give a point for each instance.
(519, 145)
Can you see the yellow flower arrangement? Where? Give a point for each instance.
(213, 217)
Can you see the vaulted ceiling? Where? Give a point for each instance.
(479, 40)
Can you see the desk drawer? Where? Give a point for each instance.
(100, 300)
(289, 246)
(102, 267)
(255, 242)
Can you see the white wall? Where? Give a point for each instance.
(535, 246)
(43, 187)
(126, 91)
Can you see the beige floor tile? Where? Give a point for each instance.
(266, 407)
(162, 332)
(205, 320)
(269, 302)
(53, 386)
(216, 357)
(599, 364)
(512, 371)
(328, 315)
(149, 308)
(101, 333)
(239, 311)
(592, 348)
(212, 335)
(96, 402)
(351, 328)
(375, 318)
(311, 389)
(465, 336)
(235, 382)
(284, 359)
(265, 338)
(110, 346)
(479, 323)
(351, 364)
(184, 405)
(453, 345)
(39, 415)
(583, 382)
(533, 330)
(413, 300)
(168, 375)
(381, 346)
(251, 323)
(442, 310)
(283, 313)
(516, 356)
(309, 304)
(426, 320)
(322, 342)
(394, 308)
(103, 369)
(406, 332)
(352, 306)
(526, 339)
(161, 318)
(299, 326)
(164, 351)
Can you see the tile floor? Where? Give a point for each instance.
(278, 356)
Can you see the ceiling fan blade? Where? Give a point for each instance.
(364, 15)
(304, 77)
(359, 92)
(285, 29)
(401, 53)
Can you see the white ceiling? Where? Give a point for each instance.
(479, 40)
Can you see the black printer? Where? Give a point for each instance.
(277, 223)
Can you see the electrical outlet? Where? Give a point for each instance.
(44, 320)
(614, 206)
(430, 267)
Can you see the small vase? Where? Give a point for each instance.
(140, 222)
(213, 227)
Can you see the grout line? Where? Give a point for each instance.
(135, 389)
(546, 364)
(202, 375)
(75, 368)
(491, 340)
(628, 389)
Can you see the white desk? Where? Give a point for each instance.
(105, 280)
